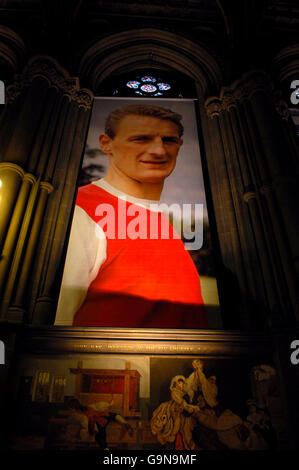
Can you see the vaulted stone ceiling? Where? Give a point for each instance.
(239, 34)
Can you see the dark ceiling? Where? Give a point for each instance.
(240, 34)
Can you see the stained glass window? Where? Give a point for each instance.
(147, 78)
(148, 88)
(148, 83)
(133, 84)
(164, 86)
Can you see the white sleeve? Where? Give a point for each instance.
(87, 251)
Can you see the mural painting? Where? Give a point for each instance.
(143, 402)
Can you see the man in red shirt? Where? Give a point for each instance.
(119, 271)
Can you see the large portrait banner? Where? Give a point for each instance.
(139, 253)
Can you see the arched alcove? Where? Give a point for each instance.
(150, 48)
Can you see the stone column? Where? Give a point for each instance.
(285, 69)
(45, 125)
(252, 177)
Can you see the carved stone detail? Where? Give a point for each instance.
(213, 106)
(47, 186)
(12, 167)
(57, 76)
(240, 90)
(256, 81)
(132, 49)
(84, 98)
(29, 177)
(249, 195)
(228, 98)
(286, 64)
(12, 48)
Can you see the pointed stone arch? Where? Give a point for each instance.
(12, 52)
(143, 48)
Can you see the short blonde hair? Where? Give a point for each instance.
(117, 115)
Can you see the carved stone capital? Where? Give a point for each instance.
(137, 48)
(241, 92)
(249, 195)
(256, 81)
(286, 64)
(30, 178)
(250, 83)
(47, 186)
(213, 106)
(8, 166)
(282, 108)
(84, 98)
(228, 98)
(56, 76)
(244, 88)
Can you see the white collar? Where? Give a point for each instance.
(146, 203)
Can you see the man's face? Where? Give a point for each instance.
(144, 148)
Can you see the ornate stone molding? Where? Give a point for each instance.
(240, 90)
(30, 178)
(253, 82)
(286, 64)
(56, 76)
(57, 340)
(12, 167)
(228, 98)
(133, 49)
(47, 186)
(213, 106)
(249, 195)
(12, 49)
(25, 176)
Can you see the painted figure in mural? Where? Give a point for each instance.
(125, 264)
(204, 423)
(93, 423)
(172, 421)
(197, 381)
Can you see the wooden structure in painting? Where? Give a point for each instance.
(118, 387)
